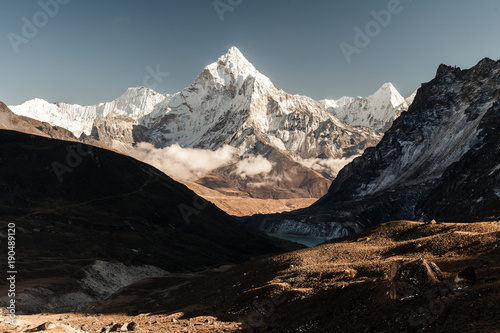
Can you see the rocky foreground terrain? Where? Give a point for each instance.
(370, 282)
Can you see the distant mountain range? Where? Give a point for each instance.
(377, 111)
(440, 160)
(294, 145)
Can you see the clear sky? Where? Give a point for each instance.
(89, 51)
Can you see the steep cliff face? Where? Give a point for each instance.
(447, 119)
(439, 160)
(117, 131)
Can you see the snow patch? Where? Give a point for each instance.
(105, 278)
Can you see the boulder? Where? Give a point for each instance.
(414, 278)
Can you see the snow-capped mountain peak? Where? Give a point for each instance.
(233, 68)
(409, 100)
(377, 111)
(235, 56)
(230, 102)
(387, 93)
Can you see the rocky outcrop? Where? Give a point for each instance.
(115, 131)
(415, 278)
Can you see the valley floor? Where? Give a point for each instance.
(241, 204)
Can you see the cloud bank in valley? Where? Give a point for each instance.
(193, 163)
(329, 166)
(251, 166)
(184, 163)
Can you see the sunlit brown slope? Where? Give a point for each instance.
(339, 287)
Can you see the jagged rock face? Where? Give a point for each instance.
(377, 111)
(446, 120)
(473, 181)
(428, 165)
(114, 131)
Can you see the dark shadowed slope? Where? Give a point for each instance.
(81, 212)
(77, 201)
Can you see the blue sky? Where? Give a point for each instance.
(92, 51)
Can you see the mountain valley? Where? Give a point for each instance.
(273, 145)
(152, 213)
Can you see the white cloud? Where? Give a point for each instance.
(184, 163)
(329, 166)
(253, 166)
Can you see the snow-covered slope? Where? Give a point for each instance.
(134, 103)
(409, 100)
(377, 111)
